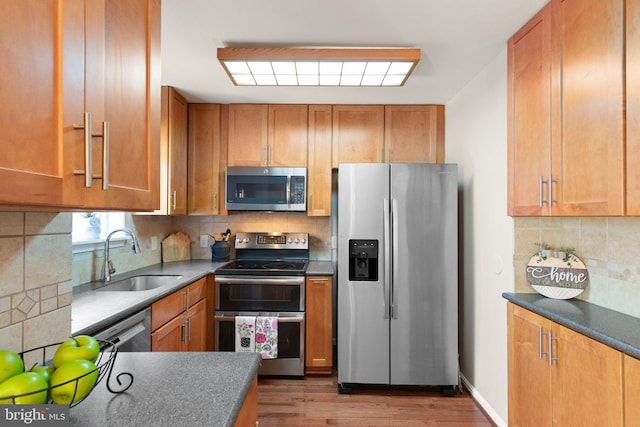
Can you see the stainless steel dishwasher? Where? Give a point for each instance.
(130, 334)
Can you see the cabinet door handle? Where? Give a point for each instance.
(540, 334)
(188, 329)
(105, 155)
(186, 300)
(88, 152)
(550, 181)
(318, 279)
(173, 202)
(550, 341)
(541, 200)
(215, 201)
(183, 332)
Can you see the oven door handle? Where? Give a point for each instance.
(294, 280)
(284, 319)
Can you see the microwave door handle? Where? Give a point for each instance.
(288, 191)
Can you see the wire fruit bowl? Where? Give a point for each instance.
(104, 366)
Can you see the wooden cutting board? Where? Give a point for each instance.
(176, 247)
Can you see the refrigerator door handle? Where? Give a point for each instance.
(394, 248)
(386, 281)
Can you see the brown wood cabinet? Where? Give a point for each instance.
(565, 107)
(267, 135)
(248, 415)
(558, 377)
(319, 321)
(287, 135)
(68, 59)
(631, 391)
(206, 170)
(173, 153)
(632, 86)
(178, 321)
(319, 168)
(247, 144)
(358, 134)
(414, 133)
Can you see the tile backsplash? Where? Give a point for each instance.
(35, 279)
(608, 247)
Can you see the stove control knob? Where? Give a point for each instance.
(296, 240)
(245, 240)
(303, 240)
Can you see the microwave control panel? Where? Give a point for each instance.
(298, 195)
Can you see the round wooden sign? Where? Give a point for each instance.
(561, 277)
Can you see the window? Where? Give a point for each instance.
(90, 229)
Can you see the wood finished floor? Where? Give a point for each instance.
(315, 401)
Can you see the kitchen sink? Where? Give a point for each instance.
(140, 283)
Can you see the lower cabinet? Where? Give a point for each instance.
(631, 391)
(558, 377)
(319, 334)
(248, 415)
(179, 321)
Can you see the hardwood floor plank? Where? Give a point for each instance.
(315, 401)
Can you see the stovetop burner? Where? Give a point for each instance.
(264, 267)
(269, 254)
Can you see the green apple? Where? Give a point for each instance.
(43, 370)
(80, 347)
(10, 364)
(26, 382)
(74, 390)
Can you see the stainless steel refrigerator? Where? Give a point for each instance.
(397, 275)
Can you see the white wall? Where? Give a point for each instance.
(476, 131)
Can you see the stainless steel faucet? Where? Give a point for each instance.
(108, 269)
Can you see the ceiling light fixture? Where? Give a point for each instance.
(318, 67)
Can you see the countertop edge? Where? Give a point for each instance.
(614, 329)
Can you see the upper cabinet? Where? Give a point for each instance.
(173, 153)
(414, 133)
(83, 127)
(206, 169)
(633, 105)
(287, 130)
(319, 169)
(565, 111)
(267, 135)
(358, 134)
(33, 139)
(388, 134)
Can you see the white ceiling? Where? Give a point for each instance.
(457, 38)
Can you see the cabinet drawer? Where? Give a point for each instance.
(196, 291)
(168, 307)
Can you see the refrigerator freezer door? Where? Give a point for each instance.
(424, 324)
(363, 321)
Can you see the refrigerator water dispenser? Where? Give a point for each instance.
(363, 260)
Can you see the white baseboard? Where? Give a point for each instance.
(483, 403)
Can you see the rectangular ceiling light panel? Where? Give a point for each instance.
(318, 67)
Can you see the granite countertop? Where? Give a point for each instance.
(615, 329)
(320, 268)
(171, 389)
(87, 317)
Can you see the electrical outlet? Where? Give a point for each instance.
(204, 241)
(154, 243)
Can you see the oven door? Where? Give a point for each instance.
(259, 293)
(291, 329)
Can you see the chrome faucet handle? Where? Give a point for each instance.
(111, 268)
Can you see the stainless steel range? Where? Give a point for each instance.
(267, 279)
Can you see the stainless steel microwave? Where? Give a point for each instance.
(266, 189)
